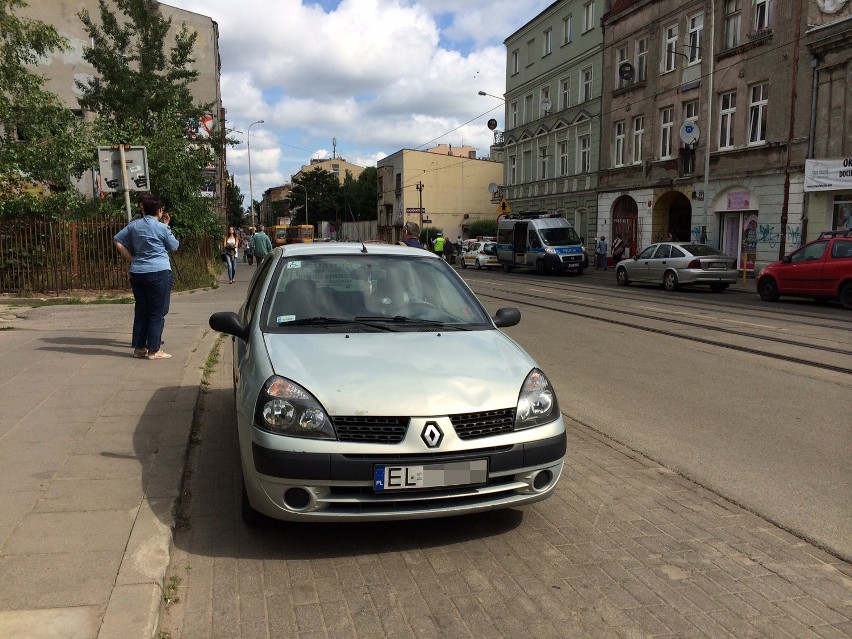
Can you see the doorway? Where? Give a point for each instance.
(625, 216)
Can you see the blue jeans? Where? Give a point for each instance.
(152, 292)
(232, 265)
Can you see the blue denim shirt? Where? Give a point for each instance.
(150, 241)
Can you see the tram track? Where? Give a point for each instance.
(546, 303)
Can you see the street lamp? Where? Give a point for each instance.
(306, 201)
(492, 96)
(251, 191)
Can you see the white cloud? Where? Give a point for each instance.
(377, 75)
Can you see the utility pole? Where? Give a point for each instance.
(419, 187)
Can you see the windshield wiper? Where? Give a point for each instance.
(335, 321)
(402, 319)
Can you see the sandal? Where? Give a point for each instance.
(140, 353)
(159, 355)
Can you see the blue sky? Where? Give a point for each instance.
(377, 75)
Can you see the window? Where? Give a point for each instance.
(586, 84)
(638, 133)
(530, 51)
(542, 163)
(516, 61)
(563, 158)
(666, 126)
(732, 23)
(513, 113)
(566, 30)
(757, 114)
(618, 150)
(842, 214)
(548, 43)
(513, 170)
(762, 10)
(670, 48)
(693, 46)
(728, 109)
(620, 58)
(564, 93)
(687, 153)
(528, 110)
(584, 153)
(527, 166)
(642, 59)
(588, 16)
(543, 108)
(690, 111)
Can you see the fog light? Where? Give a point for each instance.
(542, 480)
(297, 498)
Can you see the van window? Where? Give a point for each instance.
(533, 239)
(560, 236)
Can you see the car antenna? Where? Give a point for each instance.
(363, 247)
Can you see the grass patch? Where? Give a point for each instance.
(68, 301)
(170, 590)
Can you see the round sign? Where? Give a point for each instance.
(625, 71)
(689, 133)
(492, 124)
(546, 104)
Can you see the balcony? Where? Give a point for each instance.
(757, 34)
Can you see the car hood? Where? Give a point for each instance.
(405, 373)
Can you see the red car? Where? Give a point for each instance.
(821, 269)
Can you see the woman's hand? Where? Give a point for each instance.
(166, 218)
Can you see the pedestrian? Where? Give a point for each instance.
(438, 244)
(261, 245)
(146, 244)
(449, 251)
(600, 254)
(617, 249)
(248, 252)
(229, 245)
(671, 238)
(411, 235)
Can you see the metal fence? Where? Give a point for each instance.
(55, 257)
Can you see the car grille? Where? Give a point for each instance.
(485, 424)
(378, 430)
(572, 258)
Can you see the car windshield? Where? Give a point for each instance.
(559, 236)
(701, 250)
(369, 292)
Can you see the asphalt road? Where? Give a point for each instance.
(769, 435)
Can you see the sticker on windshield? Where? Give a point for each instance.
(283, 319)
(296, 264)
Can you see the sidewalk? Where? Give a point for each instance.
(92, 451)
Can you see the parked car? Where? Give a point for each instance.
(349, 405)
(821, 269)
(480, 255)
(676, 264)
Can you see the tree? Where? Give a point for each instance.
(323, 190)
(359, 195)
(234, 204)
(483, 228)
(42, 143)
(142, 97)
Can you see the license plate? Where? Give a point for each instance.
(414, 477)
(718, 265)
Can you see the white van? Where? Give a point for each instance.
(545, 242)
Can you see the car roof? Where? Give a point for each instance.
(350, 248)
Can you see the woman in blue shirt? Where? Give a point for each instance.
(146, 244)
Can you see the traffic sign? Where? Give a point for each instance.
(504, 207)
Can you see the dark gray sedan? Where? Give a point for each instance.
(676, 264)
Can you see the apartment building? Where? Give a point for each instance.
(444, 190)
(64, 69)
(706, 128)
(551, 142)
(338, 166)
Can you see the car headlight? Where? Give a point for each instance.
(537, 402)
(285, 408)
(550, 250)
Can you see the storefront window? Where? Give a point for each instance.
(749, 246)
(842, 218)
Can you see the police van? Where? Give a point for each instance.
(545, 242)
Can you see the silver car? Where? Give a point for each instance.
(349, 403)
(676, 264)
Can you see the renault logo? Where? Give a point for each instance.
(432, 435)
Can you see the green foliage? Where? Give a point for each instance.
(428, 233)
(484, 228)
(323, 189)
(143, 98)
(42, 143)
(359, 196)
(234, 204)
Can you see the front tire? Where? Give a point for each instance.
(507, 268)
(670, 281)
(464, 264)
(846, 295)
(478, 265)
(621, 276)
(768, 290)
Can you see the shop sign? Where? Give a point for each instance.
(828, 175)
(739, 200)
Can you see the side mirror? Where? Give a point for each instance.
(582, 239)
(505, 317)
(786, 259)
(229, 323)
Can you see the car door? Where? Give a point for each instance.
(637, 269)
(837, 266)
(658, 263)
(802, 275)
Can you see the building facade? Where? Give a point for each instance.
(447, 191)
(553, 108)
(337, 166)
(707, 124)
(64, 69)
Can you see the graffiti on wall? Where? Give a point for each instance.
(771, 235)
